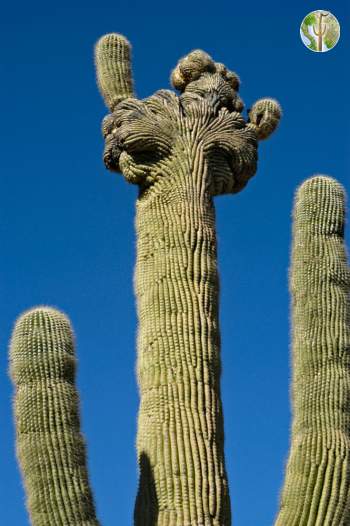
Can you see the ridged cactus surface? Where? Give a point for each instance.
(317, 485)
(50, 447)
(182, 150)
(114, 75)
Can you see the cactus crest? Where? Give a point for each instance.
(182, 150)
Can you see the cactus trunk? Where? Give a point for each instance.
(180, 427)
(317, 486)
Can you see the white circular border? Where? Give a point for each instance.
(300, 31)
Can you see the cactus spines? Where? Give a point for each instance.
(264, 116)
(317, 485)
(50, 447)
(114, 76)
(182, 150)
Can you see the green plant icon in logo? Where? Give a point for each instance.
(320, 31)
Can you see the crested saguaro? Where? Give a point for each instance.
(181, 150)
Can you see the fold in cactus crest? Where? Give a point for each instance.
(181, 150)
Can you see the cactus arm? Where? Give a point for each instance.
(317, 484)
(264, 117)
(50, 447)
(113, 68)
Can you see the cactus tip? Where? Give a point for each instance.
(316, 195)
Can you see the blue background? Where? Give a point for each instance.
(67, 236)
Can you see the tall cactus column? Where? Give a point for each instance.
(50, 447)
(181, 151)
(317, 486)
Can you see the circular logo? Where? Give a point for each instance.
(320, 31)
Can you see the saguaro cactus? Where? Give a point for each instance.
(50, 447)
(320, 30)
(316, 492)
(181, 151)
(317, 486)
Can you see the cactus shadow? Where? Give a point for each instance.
(146, 506)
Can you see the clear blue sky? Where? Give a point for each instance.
(67, 234)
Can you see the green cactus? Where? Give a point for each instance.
(316, 493)
(50, 447)
(317, 485)
(181, 151)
